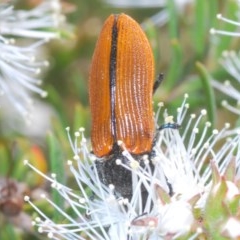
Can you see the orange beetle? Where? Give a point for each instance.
(121, 88)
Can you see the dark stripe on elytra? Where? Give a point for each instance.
(112, 73)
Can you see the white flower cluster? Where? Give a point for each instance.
(230, 62)
(22, 32)
(186, 159)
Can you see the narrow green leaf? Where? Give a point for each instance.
(152, 35)
(173, 19)
(208, 92)
(57, 167)
(214, 212)
(213, 11)
(230, 171)
(162, 195)
(234, 205)
(81, 117)
(7, 232)
(4, 163)
(237, 124)
(175, 69)
(56, 100)
(199, 28)
(205, 17)
(216, 177)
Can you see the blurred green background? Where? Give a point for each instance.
(184, 51)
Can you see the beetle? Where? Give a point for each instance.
(121, 85)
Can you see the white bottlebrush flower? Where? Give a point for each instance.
(22, 33)
(227, 20)
(230, 61)
(41, 22)
(181, 180)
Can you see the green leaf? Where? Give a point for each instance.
(175, 69)
(230, 171)
(57, 167)
(205, 16)
(81, 117)
(214, 213)
(208, 92)
(173, 19)
(152, 35)
(200, 26)
(216, 177)
(213, 10)
(162, 195)
(56, 100)
(234, 206)
(8, 232)
(4, 163)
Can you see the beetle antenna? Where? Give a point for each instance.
(157, 83)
